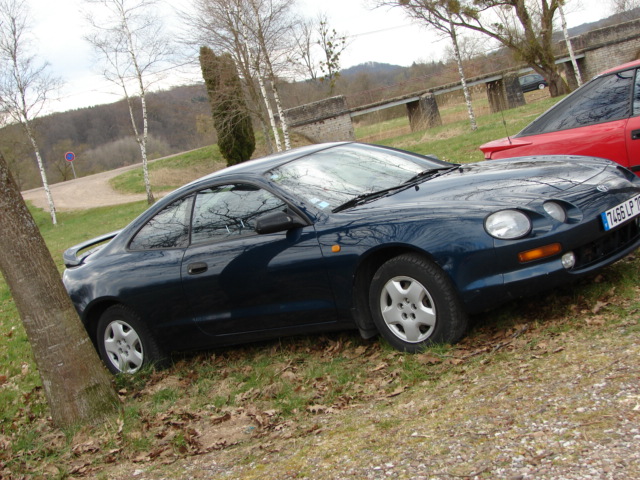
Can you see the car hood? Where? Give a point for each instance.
(517, 182)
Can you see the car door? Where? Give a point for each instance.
(239, 282)
(147, 277)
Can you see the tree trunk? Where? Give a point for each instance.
(43, 173)
(463, 80)
(567, 40)
(267, 103)
(141, 139)
(557, 84)
(283, 120)
(267, 137)
(272, 80)
(76, 383)
(143, 146)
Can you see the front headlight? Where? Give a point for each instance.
(507, 224)
(555, 211)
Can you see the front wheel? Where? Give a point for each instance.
(125, 343)
(414, 304)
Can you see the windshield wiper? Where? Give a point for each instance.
(431, 173)
(366, 197)
(370, 196)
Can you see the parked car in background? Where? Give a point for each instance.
(346, 236)
(531, 82)
(600, 119)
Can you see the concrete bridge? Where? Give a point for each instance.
(331, 119)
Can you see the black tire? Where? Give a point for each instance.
(414, 304)
(125, 343)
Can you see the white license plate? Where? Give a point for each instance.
(621, 213)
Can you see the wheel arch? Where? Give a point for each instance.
(92, 315)
(365, 271)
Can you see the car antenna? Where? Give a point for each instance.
(504, 122)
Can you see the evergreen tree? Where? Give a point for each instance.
(231, 119)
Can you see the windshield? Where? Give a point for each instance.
(334, 176)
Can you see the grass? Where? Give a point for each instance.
(306, 403)
(171, 172)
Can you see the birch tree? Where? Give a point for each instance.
(129, 37)
(567, 40)
(25, 84)
(266, 24)
(76, 383)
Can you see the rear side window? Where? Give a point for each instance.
(604, 99)
(167, 229)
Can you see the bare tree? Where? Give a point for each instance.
(25, 85)
(304, 37)
(129, 37)
(76, 383)
(526, 28)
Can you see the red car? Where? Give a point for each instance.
(600, 119)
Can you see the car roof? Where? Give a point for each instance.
(624, 66)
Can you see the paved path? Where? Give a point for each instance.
(85, 192)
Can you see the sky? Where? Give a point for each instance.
(381, 35)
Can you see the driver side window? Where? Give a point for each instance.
(230, 210)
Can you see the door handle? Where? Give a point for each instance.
(197, 268)
(635, 134)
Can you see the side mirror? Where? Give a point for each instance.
(278, 222)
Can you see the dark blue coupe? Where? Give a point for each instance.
(346, 235)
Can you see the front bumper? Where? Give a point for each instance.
(593, 248)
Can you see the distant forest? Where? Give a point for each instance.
(101, 136)
(180, 118)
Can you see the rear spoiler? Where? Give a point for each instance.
(71, 255)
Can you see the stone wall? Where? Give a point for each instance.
(323, 121)
(608, 47)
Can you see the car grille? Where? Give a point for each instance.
(607, 245)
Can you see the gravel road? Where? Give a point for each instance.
(83, 193)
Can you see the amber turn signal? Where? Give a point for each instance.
(540, 252)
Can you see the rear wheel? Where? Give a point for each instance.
(125, 343)
(541, 86)
(414, 304)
